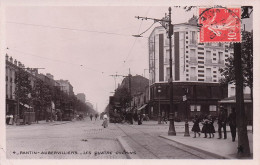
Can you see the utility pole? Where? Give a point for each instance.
(166, 23)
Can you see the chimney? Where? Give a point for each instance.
(15, 62)
(11, 59)
(6, 57)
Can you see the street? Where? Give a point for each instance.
(89, 140)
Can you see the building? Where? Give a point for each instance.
(48, 79)
(81, 97)
(13, 106)
(195, 68)
(65, 86)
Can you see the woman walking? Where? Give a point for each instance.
(211, 126)
(105, 122)
(196, 127)
(205, 128)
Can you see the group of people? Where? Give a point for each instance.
(208, 124)
(91, 116)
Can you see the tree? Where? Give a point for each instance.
(23, 89)
(247, 64)
(243, 73)
(23, 86)
(42, 96)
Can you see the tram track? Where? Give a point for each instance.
(174, 146)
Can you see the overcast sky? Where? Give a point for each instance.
(84, 45)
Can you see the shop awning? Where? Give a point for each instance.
(142, 107)
(232, 99)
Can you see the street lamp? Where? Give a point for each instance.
(159, 110)
(186, 111)
(166, 23)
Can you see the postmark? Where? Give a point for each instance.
(220, 24)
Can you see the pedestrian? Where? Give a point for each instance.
(91, 116)
(105, 120)
(222, 121)
(232, 123)
(164, 117)
(211, 126)
(205, 128)
(96, 116)
(139, 119)
(196, 127)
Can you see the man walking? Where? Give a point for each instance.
(91, 116)
(222, 121)
(232, 123)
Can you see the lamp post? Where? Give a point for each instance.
(166, 23)
(159, 109)
(186, 112)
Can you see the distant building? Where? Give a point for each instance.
(81, 97)
(48, 79)
(66, 87)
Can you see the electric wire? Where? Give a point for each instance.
(66, 28)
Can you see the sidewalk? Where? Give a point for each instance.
(219, 148)
(222, 148)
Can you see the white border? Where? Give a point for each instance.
(254, 3)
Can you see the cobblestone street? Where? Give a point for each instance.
(78, 139)
(89, 140)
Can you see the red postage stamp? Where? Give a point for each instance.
(220, 24)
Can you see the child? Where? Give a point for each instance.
(196, 127)
(205, 128)
(211, 126)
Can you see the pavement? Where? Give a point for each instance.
(217, 148)
(146, 141)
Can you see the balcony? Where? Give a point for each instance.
(193, 78)
(208, 79)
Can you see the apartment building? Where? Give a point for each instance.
(195, 67)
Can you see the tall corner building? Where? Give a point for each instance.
(195, 67)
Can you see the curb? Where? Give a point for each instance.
(217, 156)
(126, 147)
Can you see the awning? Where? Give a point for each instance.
(25, 105)
(142, 107)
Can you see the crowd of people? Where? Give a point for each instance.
(208, 128)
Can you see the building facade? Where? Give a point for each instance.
(195, 67)
(65, 86)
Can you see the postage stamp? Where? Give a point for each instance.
(220, 24)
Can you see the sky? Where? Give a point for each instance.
(84, 44)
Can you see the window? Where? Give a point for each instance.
(232, 91)
(195, 107)
(193, 37)
(167, 73)
(220, 57)
(167, 57)
(212, 108)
